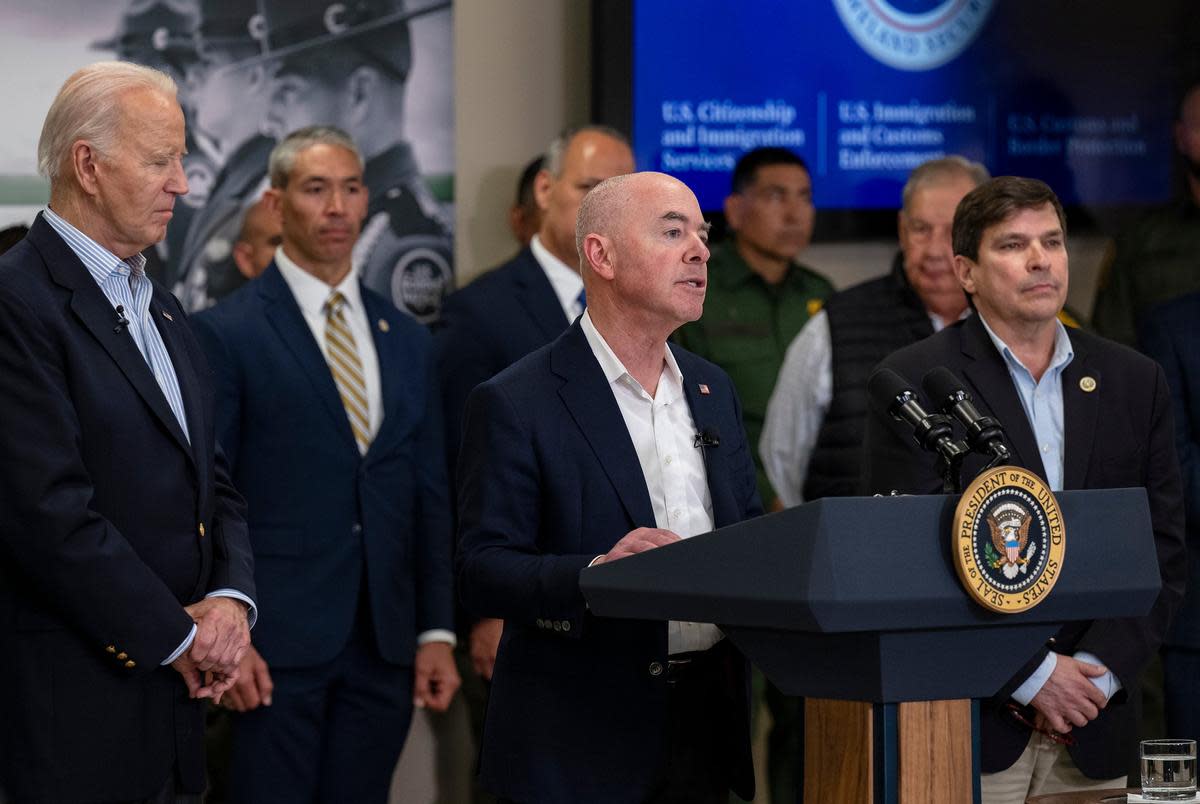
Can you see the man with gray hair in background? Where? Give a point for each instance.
(812, 437)
(126, 580)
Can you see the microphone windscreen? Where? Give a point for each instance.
(885, 385)
(939, 384)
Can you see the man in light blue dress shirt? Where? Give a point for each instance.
(1082, 412)
(126, 578)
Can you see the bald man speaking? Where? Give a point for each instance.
(583, 452)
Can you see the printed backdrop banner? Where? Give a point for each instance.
(250, 71)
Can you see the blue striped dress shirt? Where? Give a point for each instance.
(127, 288)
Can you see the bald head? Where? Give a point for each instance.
(642, 245)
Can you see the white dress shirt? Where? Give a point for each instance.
(663, 433)
(797, 408)
(311, 294)
(566, 281)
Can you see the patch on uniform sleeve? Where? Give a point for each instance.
(419, 281)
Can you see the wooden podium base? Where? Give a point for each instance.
(908, 753)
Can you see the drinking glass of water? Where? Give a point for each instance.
(1168, 770)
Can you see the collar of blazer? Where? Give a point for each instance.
(284, 314)
(590, 402)
(96, 314)
(988, 373)
(536, 294)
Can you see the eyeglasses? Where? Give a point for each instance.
(1055, 736)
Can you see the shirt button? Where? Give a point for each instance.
(668, 460)
(675, 514)
(1045, 447)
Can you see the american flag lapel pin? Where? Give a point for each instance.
(383, 325)
(167, 316)
(704, 390)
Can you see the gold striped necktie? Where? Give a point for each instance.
(342, 354)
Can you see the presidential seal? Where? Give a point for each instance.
(913, 34)
(1009, 539)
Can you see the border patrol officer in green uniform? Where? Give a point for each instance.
(758, 296)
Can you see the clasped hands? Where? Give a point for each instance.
(1069, 698)
(210, 665)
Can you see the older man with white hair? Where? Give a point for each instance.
(126, 581)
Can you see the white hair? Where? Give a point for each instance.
(283, 156)
(85, 108)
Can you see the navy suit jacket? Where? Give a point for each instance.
(110, 522)
(486, 327)
(1119, 435)
(548, 480)
(323, 518)
(1171, 335)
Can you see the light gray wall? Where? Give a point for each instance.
(522, 73)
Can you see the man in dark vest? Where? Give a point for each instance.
(812, 438)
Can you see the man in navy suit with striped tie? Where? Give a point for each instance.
(327, 406)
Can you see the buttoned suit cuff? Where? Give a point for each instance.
(183, 646)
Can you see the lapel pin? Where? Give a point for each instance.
(384, 326)
(704, 390)
(1088, 384)
(167, 316)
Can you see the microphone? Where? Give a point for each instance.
(985, 434)
(710, 436)
(122, 321)
(933, 432)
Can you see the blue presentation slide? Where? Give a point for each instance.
(1075, 94)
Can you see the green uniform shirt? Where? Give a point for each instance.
(1157, 260)
(746, 329)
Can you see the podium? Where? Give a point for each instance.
(854, 603)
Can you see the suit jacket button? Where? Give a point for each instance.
(541, 623)
(356, 529)
(557, 625)
(122, 656)
(566, 625)
(1051, 641)
(110, 649)
(656, 669)
(201, 530)
(129, 665)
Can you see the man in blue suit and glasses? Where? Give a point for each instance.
(326, 403)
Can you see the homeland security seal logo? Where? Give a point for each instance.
(1009, 540)
(913, 34)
